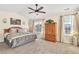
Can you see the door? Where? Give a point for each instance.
(67, 29)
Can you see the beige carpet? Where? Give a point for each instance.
(40, 47)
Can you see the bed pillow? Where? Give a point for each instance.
(22, 30)
(13, 30)
(19, 30)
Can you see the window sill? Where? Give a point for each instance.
(68, 35)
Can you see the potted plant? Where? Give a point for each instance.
(50, 21)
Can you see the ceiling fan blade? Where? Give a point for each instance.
(41, 12)
(40, 8)
(31, 8)
(31, 12)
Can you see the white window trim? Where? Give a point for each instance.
(71, 28)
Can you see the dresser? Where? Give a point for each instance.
(50, 32)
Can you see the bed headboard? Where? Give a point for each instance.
(9, 29)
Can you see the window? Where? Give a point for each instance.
(68, 24)
(37, 26)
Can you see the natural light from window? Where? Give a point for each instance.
(68, 25)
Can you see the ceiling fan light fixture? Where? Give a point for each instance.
(36, 4)
(37, 14)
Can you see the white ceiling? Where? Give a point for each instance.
(50, 9)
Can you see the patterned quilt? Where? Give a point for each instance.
(17, 39)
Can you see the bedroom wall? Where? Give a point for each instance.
(8, 15)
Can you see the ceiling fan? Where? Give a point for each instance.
(37, 10)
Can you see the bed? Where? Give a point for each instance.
(16, 36)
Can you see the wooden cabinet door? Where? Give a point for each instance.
(53, 29)
(50, 37)
(53, 38)
(47, 29)
(50, 32)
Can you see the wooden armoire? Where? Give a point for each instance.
(50, 32)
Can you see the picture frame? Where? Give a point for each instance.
(15, 21)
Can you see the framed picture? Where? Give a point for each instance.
(15, 21)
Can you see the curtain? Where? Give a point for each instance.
(31, 25)
(76, 29)
(60, 28)
(75, 24)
